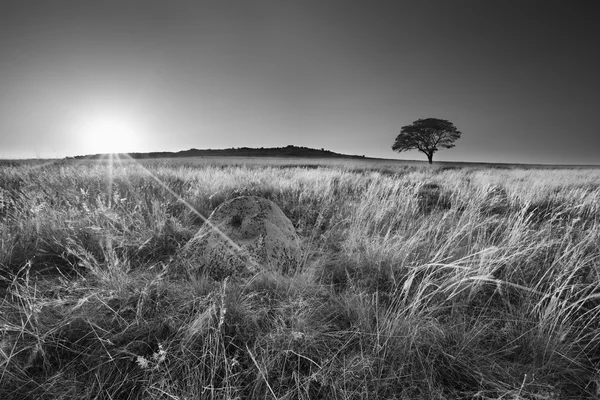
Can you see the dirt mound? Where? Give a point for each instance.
(242, 236)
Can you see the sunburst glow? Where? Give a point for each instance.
(109, 133)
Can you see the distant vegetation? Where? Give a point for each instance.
(288, 151)
(415, 284)
(427, 136)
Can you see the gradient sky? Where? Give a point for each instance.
(520, 79)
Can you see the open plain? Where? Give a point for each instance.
(414, 282)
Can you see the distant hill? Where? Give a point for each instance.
(288, 151)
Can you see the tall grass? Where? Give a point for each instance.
(416, 283)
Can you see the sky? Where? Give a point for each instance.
(519, 79)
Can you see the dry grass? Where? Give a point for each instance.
(416, 283)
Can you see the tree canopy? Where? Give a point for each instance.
(427, 135)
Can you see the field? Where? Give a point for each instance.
(416, 283)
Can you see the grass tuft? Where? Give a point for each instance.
(416, 284)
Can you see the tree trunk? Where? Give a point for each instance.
(430, 158)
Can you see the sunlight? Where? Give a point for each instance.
(182, 200)
(109, 132)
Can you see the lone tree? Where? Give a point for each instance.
(426, 135)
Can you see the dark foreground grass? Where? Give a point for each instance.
(415, 284)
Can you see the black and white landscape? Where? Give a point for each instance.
(299, 200)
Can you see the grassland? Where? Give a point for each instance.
(416, 283)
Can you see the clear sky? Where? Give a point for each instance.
(520, 79)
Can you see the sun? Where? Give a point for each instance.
(109, 132)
